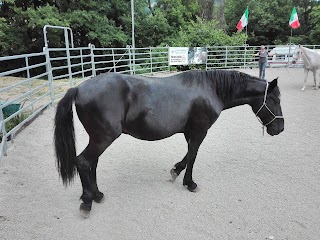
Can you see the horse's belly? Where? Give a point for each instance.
(150, 128)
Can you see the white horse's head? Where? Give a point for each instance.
(297, 54)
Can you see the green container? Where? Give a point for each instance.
(10, 109)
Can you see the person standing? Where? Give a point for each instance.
(263, 59)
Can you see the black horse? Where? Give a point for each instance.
(151, 108)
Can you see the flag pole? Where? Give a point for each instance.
(245, 47)
(246, 34)
(289, 47)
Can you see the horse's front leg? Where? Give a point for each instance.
(315, 79)
(179, 166)
(193, 147)
(306, 72)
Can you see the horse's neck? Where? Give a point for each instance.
(254, 89)
(308, 56)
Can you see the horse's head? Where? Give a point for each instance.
(297, 54)
(268, 109)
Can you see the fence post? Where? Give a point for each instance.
(226, 57)
(68, 56)
(130, 64)
(133, 57)
(168, 52)
(150, 52)
(3, 144)
(50, 74)
(114, 61)
(207, 58)
(30, 86)
(93, 65)
(245, 56)
(81, 60)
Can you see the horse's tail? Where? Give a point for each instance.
(64, 138)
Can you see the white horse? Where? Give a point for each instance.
(311, 60)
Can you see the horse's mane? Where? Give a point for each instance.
(226, 83)
(308, 49)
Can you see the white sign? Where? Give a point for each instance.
(178, 55)
(187, 55)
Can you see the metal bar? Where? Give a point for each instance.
(81, 61)
(66, 37)
(92, 59)
(10, 72)
(113, 60)
(21, 56)
(56, 27)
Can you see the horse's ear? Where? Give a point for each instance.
(273, 84)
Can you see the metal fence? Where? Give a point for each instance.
(41, 78)
(229, 57)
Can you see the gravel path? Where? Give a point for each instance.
(251, 187)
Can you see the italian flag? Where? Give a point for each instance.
(243, 21)
(294, 21)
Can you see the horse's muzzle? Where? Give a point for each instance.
(273, 132)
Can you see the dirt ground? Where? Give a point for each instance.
(251, 186)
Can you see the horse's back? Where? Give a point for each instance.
(311, 59)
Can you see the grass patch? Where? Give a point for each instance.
(14, 122)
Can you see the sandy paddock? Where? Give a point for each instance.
(251, 187)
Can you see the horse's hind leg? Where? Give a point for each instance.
(86, 164)
(98, 196)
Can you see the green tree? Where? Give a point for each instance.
(315, 21)
(268, 20)
(21, 31)
(201, 33)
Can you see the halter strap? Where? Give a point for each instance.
(264, 104)
(301, 54)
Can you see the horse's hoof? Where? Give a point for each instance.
(174, 175)
(99, 197)
(191, 187)
(84, 210)
(302, 89)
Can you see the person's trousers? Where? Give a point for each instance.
(262, 70)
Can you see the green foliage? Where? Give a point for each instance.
(315, 21)
(168, 22)
(269, 20)
(205, 33)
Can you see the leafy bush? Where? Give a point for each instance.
(202, 33)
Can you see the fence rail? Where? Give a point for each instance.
(42, 78)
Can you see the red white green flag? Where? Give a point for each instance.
(243, 21)
(294, 20)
